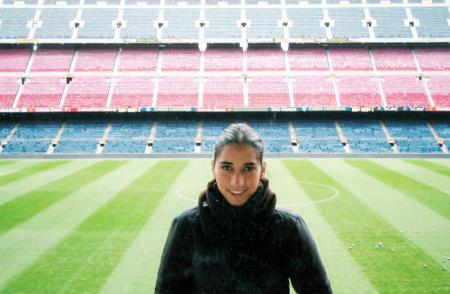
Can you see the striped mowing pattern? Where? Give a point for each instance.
(90, 226)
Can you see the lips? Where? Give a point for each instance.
(236, 192)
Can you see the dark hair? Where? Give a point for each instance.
(240, 134)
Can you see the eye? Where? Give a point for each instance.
(226, 167)
(249, 168)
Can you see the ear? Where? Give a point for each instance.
(263, 169)
(212, 168)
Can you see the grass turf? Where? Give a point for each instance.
(431, 166)
(360, 228)
(425, 194)
(30, 171)
(84, 260)
(26, 206)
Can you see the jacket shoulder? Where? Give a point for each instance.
(188, 216)
(287, 216)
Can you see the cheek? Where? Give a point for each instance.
(253, 180)
(220, 176)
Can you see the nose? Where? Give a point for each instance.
(237, 180)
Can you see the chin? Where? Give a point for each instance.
(236, 201)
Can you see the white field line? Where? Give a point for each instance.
(333, 195)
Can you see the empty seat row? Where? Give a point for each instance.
(132, 136)
(224, 23)
(145, 60)
(225, 59)
(226, 92)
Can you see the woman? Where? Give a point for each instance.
(235, 241)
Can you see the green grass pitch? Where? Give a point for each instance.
(98, 226)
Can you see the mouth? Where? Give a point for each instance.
(237, 192)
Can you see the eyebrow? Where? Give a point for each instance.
(230, 163)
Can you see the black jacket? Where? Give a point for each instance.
(254, 248)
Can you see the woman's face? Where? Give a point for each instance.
(237, 171)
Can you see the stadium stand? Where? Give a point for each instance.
(223, 93)
(52, 60)
(166, 58)
(139, 23)
(14, 60)
(442, 129)
(404, 91)
(268, 92)
(56, 23)
(42, 92)
(87, 92)
(175, 137)
(32, 137)
(433, 21)
(264, 23)
(275, 134)
(358, 91)
(98, 23)
(433, 58)
(306, 23)
(350, 59)
(348, 23)
(133, 59)
(319, 136)
(365, 136)
(80, 136)
(262, 59)
(222, 22)
(8, 93)
(181, 23)
(25, 1)
(5, 129)
(223, 59)
(15, 22)
(413, 137)
(313, 91)
(439, 87)
(95, 60)
(178, 92)
(307, 59)
(210, 129)
(393, 58)
(180, 60)
(128, 137)
(389, 22)
(132, 92)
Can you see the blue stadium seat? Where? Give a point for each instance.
(442, 129)
(14, 22)
(80, 137)
(433, 21)
(5, 129)
(275, 135)
(56, 23)
(348, 23)
(413, 137)
(128, 137)
(390, 22)
(222, 22)
(365, 136)
(264, 23)
(139, 23)
(98, 23)
(181, 23)
(317, 136)
(32, 137)
(175, 137)
(210, 131)
(306, 23)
